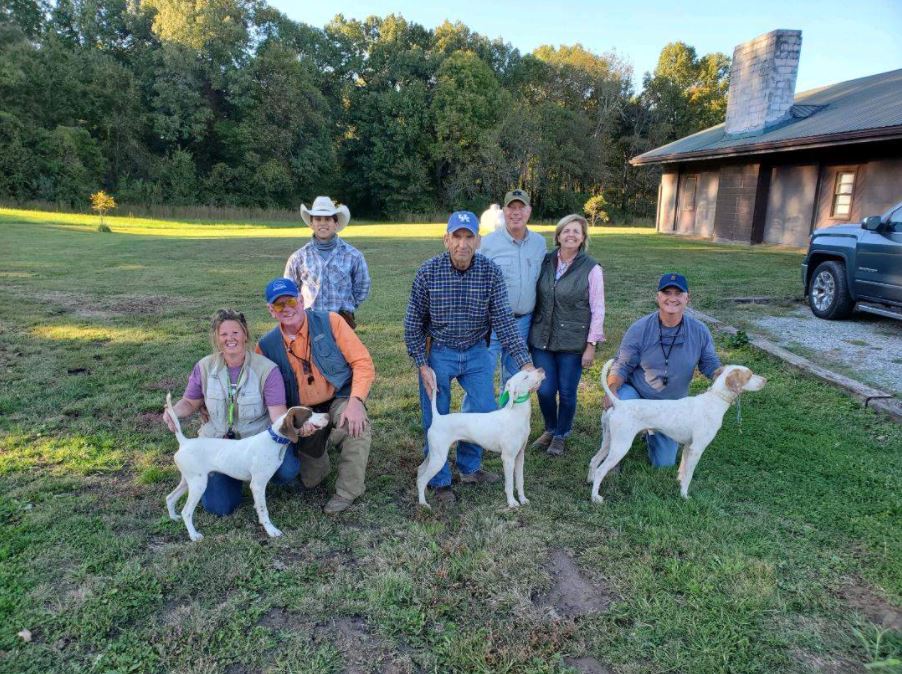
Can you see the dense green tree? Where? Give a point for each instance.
(229, 102)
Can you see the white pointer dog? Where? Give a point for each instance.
(504, 431)
(692, 421)
(254, 459)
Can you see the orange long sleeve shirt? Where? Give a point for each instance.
(319, 389)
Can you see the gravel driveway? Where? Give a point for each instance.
(865, 347)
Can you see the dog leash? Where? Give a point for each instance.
(504, 397)
(739, 413)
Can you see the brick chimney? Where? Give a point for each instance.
(762, 81)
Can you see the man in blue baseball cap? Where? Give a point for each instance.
(658, 356)
(326, 367)
(457, 298)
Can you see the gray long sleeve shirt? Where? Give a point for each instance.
(520, 262)
(640, 360)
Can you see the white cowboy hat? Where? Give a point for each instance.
(325, 206)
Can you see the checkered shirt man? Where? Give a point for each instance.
(457, 309)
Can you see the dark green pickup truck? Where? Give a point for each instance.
(856, 265)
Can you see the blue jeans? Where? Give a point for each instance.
(223, 494)
(509, 366)
(474, 371)
(662, 449)
(557, 394)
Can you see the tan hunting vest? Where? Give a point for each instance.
(251, 415)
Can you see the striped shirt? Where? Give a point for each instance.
(339, 281)
(458, 309)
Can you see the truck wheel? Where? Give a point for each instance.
(828, 292)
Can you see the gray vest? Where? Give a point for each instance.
(562, 315)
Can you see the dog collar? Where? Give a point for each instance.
(502, 400)
(278, 438)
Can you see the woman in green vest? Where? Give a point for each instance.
(567, 323)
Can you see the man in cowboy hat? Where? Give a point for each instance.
(332, 273)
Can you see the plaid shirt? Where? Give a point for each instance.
(459, 308)
(339, 281)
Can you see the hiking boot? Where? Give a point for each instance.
(337, 504)
(480, 477)
(557, 446)
(444, 495)
(542, 441)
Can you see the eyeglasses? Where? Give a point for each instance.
(280, 305)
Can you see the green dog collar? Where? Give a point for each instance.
(502, 400)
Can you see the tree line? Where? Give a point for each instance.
(231, 103)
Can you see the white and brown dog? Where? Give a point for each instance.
(692, 421)
(254, 459)
(504, 431)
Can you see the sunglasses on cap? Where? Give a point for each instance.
(280, 304)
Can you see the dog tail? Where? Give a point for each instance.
(434, 393)
(604, 381)
(174, 417)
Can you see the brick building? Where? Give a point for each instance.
(783, 164)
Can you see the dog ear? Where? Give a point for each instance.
(717, 372)
(294, 419)
(737, 379)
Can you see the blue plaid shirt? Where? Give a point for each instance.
(339, 281)
(459, 308)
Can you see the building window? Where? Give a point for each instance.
(842, 194)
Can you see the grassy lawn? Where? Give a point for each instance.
(786, 558)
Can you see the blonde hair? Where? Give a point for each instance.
(566, 220)
(220, 317)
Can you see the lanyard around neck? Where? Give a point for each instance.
(666, 353)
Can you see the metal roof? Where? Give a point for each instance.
(854, 111)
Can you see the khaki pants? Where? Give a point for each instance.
(353, 457)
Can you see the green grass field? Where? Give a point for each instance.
(786, 558)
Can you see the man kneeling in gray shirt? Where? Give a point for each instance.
(658, 356)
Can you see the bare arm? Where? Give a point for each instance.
(185, 407)
(615, 381)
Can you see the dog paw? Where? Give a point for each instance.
(597, 498)
(512, 505)
(273, 532)
(197, 538)
(425, 506)
(175, 517)
(524, 500)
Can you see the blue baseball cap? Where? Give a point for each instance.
(675, 280)
(463, 220)
(280, 287)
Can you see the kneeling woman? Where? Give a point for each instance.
(567, 323)
(243, 393)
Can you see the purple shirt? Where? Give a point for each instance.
(273, 387)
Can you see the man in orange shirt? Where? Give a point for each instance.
(325, 366)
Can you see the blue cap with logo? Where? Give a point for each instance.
(463, 220)
(674, 280)
(280, 287)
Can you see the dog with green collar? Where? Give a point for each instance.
(505, 431)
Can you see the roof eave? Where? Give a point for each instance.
(788, 145)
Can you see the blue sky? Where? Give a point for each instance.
(841, 40)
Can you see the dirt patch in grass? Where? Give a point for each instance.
(167, 384)
(85, 306)
(826, 664)
(280, 619)
(572, 594)
(361, 650)
(873, 607)
(587, 665)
